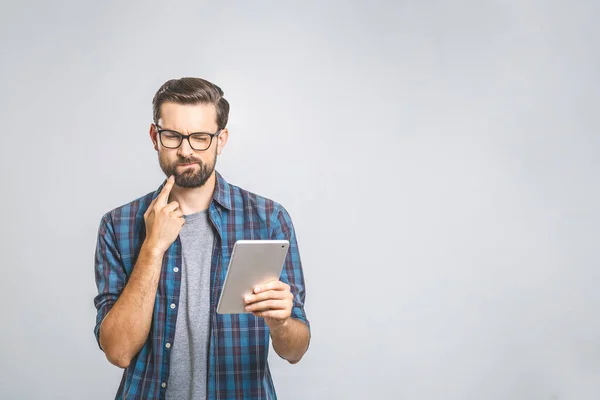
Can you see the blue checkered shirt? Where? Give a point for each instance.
(239, 344)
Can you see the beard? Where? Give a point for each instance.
(191, 177)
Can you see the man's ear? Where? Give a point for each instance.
(154, 136)
(222, 140)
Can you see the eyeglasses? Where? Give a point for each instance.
(197, 140)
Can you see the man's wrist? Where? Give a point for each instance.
(277, 327)
(152, 250)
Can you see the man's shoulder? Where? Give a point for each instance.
(127, 213)
(247, 200)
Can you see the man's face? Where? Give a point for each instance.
(191, 168)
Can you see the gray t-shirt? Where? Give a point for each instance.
(189, 352)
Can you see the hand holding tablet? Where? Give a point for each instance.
(256, 263)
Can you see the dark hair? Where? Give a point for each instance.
(192, 91)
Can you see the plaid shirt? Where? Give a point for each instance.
(237, 356)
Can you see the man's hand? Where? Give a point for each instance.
(271, 301)
(163, 221)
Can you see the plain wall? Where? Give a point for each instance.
(439, 159)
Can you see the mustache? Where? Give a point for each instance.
(188, 161)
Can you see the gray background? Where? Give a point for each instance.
(440, 161)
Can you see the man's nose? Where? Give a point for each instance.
(185, 150)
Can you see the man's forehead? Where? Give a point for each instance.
(188, 116)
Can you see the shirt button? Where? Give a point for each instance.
(168, 345)
(175, 269)
(164, 385)
(173, 306)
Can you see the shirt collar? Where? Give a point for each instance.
(221, 195)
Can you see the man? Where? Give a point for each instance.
(161, 261)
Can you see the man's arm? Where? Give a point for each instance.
(281, 303)
(126, 326)
(290, 339)
(273, 301)
(125, 310)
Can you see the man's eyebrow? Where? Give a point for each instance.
(191, 131)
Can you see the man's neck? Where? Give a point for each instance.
(193, 200)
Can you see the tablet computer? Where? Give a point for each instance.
(252, 262)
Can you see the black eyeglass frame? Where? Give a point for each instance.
(182, 136)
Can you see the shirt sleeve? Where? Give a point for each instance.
(109, 272)
(292, 274)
